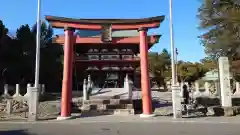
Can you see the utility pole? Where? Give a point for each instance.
(176, 101)
(38, 40)
(176, 62)
(33, 98)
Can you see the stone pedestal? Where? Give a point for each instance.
(177, 107)
(64, 118)
(226, 98)
(33, 103)
(147, 115)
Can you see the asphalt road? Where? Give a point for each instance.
(143, 128)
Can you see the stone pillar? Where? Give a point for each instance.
(39, 90)
(43, 89)
(177, 108)
(89, 82)
(196, 93)
(28, 92)
(226, 98)
(206, 87)
(85, 92)
(128, 87)
(237, 92)
(145, 83)
(217, 91)
(17, 93)
(33, 103)
(67, 75)
(181, 89)
(9, 106)
(6, 90)
(197, 86)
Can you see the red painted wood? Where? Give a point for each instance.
(145, 82)
(67, 75)
(86, 41)
(58, 24)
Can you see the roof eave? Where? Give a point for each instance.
(105, 21)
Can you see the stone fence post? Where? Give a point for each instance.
(43, 89)
(28, 92)
(85, 90)
(237, 92)
(128, 86)
(9, 106)
(6, 90)
(17, 93)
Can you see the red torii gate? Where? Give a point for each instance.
(69, 25)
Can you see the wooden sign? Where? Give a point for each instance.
(106, 35)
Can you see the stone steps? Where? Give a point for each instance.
(108, 101)
(119, 112)
(107, 106)
(96, 107)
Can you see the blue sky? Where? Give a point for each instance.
(17, 12)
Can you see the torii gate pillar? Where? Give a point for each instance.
(67, 74)
(145, 83)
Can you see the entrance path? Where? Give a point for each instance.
(113, 125)
(159, 119)
(136, 119)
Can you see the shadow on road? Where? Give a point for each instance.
(15, 132)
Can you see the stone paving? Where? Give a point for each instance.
(157, 119)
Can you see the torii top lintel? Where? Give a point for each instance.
(96, 24)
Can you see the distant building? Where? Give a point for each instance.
(212, 75)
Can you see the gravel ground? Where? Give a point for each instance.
(51, 109)
(47, 110)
